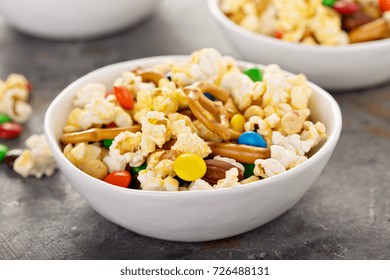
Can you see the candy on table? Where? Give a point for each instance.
(166, 148)
(4, 118)
(10, 130)
(11, 156)
(3, 152)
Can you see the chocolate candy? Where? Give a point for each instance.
(10, 130)
(3, 151)
(346, 7)
(124, 97)
(190, 167)
(120, 178)
(254, 73)
(252, 138)
(11, 156)
(4, 118)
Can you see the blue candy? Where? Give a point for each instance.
(169, 76)
(252, 138)
(209, 96)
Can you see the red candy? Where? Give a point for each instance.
(124, 97)
(384, 5)
(346, 8)
(111, 125)
(29, 86)
(120, 178)
(10, 130)
(278, 34)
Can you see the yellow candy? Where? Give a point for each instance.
(237, 122)
(189, 167)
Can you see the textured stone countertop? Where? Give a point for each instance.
(345, 215)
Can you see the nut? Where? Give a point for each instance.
(216, 170)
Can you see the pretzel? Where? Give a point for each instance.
(96, 134)
(239, 152)
(374, 30)
(212, 115)
(149, 75)
(218, 92)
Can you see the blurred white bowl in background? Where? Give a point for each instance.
(74, 19)
(339, 68)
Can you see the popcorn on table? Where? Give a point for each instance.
(37, 160)
(275, 107)
(14, 95)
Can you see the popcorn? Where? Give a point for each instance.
(97, 112)
(230, 180)
(37, 160)
(133, 83)
(155, 131)
(292, 142)
(151, 181)
(14, 95)
(166, 99)
(205, 65)
(125, 149)
(191, 143)
(268, 167)
(265, 126)
(88, 92)
(287, 158)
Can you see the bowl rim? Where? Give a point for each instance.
(221, 17)
(326, 148)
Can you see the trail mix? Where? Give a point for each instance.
(313, 22)
(199, 124)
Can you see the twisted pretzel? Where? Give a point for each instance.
(149, 75)
(96, 134)
(212, 115)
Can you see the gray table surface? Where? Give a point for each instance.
(345, 215)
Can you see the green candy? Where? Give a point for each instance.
(248, 170)
(254, 73)
(3, 151)
(328, 3)
(4, 118)
(136, 170)
(107, 143)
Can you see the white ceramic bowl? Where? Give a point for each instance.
(192, 215)
(74, 19)
(338, 68)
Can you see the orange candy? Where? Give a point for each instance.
(120, 178)
(124, 97)
(384, 5)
